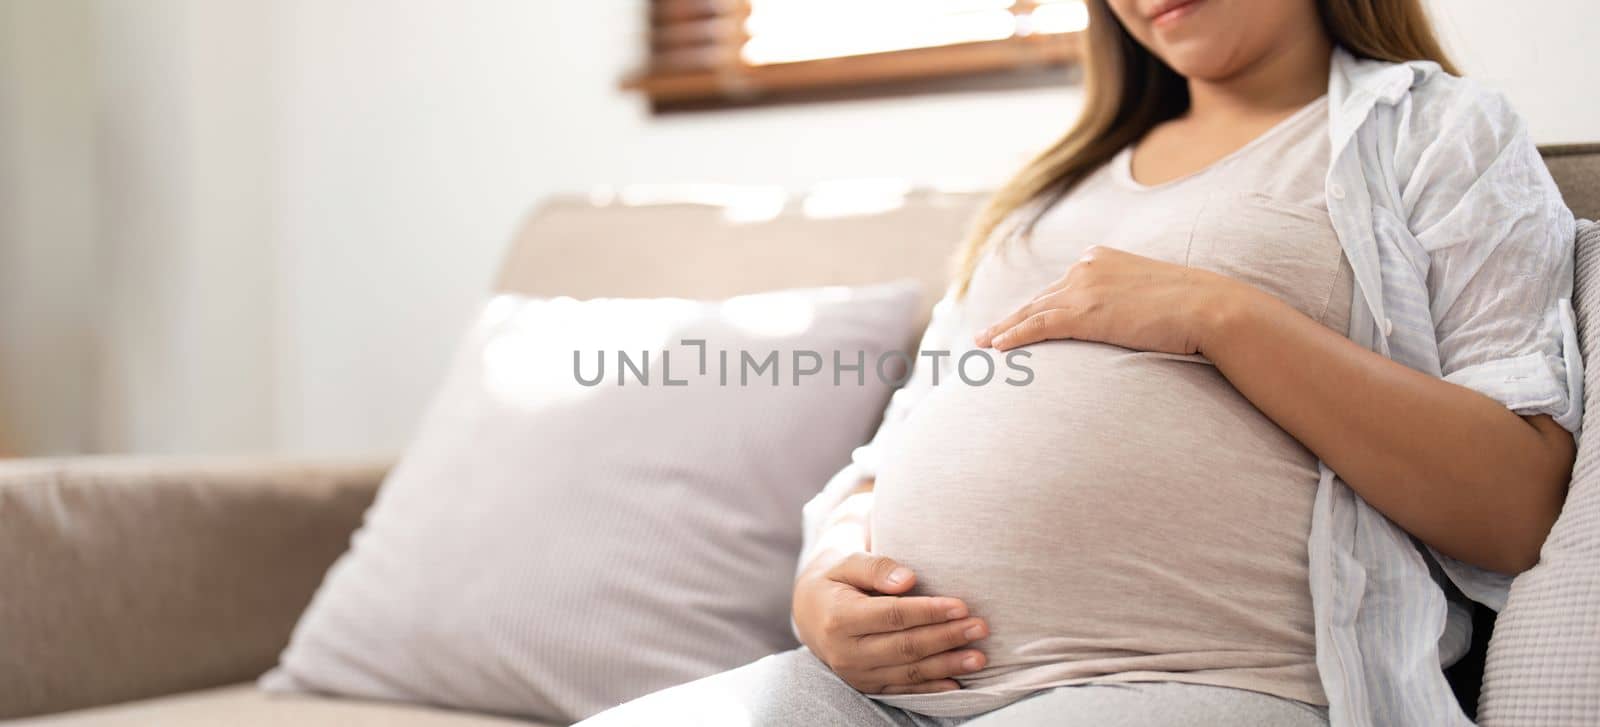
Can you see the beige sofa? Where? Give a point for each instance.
(153, 591)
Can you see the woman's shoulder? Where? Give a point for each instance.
(1458, 143)
(1443, 108)
(1443, 94)
(1428, 106)
(1450, 130)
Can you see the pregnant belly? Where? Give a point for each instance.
(1125, 512)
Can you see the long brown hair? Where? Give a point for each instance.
(1128, 91)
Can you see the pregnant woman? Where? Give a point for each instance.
(1296, 299)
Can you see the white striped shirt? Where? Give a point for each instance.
(1462, 252)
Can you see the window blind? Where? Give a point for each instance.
(702, 52)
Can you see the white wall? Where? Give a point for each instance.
(1542, 54)
(319, 190)
(414, 141)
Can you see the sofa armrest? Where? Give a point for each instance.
(124, 578)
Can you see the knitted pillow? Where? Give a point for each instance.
(1543, 666)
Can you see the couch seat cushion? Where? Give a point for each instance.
(244, 705)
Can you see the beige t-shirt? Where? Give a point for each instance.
(1128, 516)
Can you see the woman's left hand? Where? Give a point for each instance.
(1116, 297)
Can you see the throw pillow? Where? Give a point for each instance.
(604, 500)
(1543, 666)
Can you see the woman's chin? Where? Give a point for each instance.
(1201, 59)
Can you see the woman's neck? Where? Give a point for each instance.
(1287, 77)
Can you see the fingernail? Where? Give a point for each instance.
(970, 663)
(974, 632)
(899, 576)
(956, 612)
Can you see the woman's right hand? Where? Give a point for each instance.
(847, 612)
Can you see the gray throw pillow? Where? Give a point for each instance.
(1543, 666)
(549, 549)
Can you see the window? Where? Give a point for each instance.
(717, 52)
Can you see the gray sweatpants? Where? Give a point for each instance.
(794, 689)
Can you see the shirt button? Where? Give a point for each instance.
(1336, 191)
(1388, 328)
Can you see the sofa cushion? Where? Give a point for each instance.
(244, 705)
(1543, 666)
(1576, 168)
(551, 548)
(645, 245)
(132, 577)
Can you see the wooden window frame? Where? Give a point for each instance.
(708, 72)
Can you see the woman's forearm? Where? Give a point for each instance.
(846, 529)
(1450, 465)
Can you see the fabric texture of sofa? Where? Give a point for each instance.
(143, 591)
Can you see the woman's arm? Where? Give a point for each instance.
(844, 528)
(848, 605)
(1450, 465)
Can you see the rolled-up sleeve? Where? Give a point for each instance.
(1500, 262)
(1500, 244)
(940, 335)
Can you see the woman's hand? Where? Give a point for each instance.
(884, 644)
(1116, 297)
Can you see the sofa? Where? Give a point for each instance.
(153, 591)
